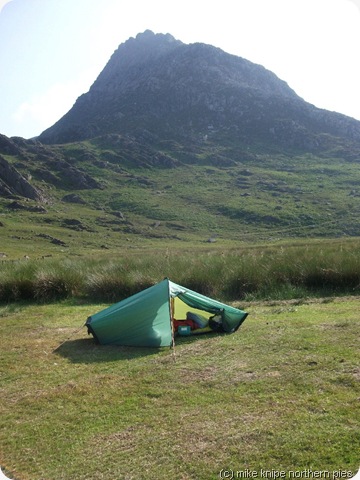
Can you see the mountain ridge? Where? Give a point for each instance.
(173, 90)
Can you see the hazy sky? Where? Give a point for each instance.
(51, 51)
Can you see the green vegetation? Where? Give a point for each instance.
(278, 271)
(237, 225)
(282, 393)
(136, 196)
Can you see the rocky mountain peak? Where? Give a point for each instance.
(156, 84)
(145, 48)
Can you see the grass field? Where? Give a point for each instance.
(286, 270)
(280, 395)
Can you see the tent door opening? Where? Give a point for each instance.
(189, 320)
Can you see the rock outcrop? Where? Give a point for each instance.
(157, 86)
(13, 183)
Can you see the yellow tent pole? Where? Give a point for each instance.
(172, 312)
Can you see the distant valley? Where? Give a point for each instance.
(180, 143)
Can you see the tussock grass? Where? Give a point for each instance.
(262, 272)
(282, 393)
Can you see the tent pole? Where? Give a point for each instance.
(172, 311)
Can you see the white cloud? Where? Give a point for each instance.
(43, 110)
(44, 107)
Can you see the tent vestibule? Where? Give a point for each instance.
(148, 317)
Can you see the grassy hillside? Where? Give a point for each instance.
(281, 394)
(138, 196)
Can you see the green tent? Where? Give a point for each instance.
(146, 318)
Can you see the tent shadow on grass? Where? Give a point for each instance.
(85, 350)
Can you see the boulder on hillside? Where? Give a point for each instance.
(29, 208)
(73, 198)
(13, 182)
